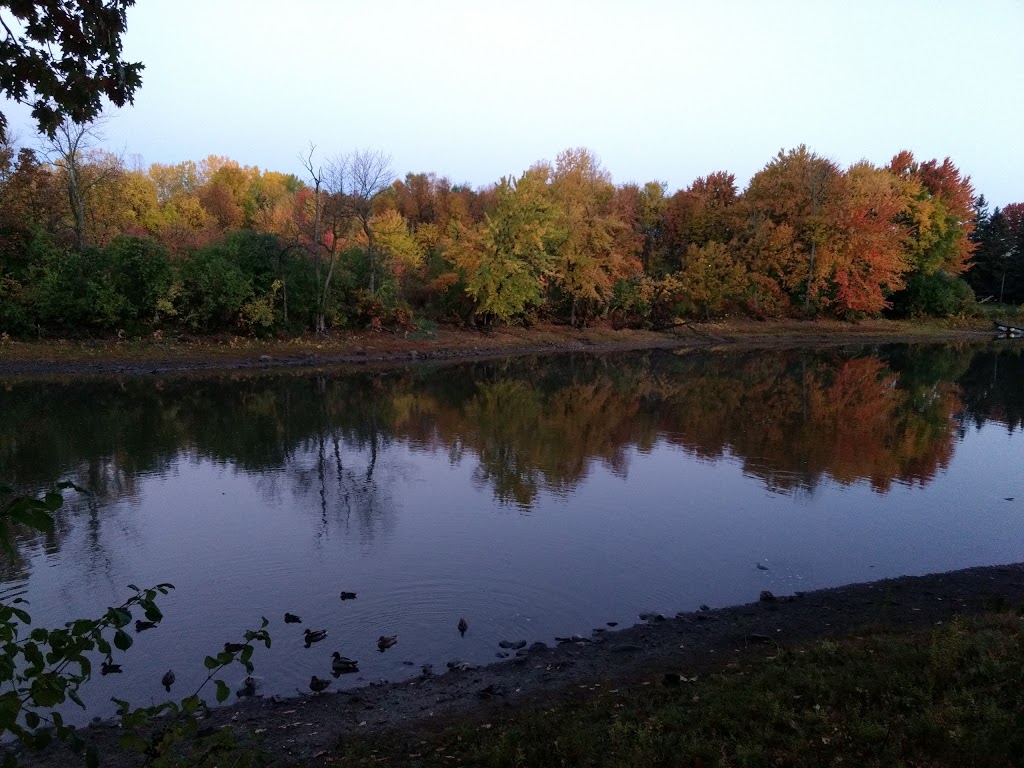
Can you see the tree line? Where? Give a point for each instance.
(92, 246)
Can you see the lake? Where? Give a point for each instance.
(535, 497)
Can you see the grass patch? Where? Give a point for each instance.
(953, 696)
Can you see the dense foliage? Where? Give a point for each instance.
(91, 247)
(63, 57)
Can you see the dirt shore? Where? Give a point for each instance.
(362, 348)
(306, 726)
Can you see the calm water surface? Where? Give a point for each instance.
(535, 497)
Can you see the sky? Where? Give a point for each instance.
(663, 91)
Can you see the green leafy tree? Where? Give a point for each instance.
(505, 259)
(140, 273)
(62, 57)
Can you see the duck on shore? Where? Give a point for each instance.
(316, 685)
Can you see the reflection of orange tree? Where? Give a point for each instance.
(794, 420)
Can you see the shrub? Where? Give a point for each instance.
(938, 294)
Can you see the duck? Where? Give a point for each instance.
(233, 647)
(343, 664)
(142, 626)
(386, 641)
(463, 626)
(314, 636)
(316, 685)
(110, 668)
(248, 687)
(168, 680)
(291, 618)
(348, 595)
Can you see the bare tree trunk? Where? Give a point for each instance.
(66, 150)
(75, 198)
(284, 299)
(320, 321)
(367, 230)
(810, 279)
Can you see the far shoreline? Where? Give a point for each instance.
(359, 349)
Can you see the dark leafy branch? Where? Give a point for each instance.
(42, 669)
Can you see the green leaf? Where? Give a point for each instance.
(222, 691)
(33, 515)
(53, 501)
(47, 690)
(152, 612)
(246, 654)
(22, 615)
(31, 719)
(73, 695)
(81, 627)
(210, 663)
(133, 587)
(10, 708)
(132, 742)
(122, 640)
(190, 705)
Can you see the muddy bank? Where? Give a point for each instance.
(304, 726)
(361, 349)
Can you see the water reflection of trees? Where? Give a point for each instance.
(792, 418)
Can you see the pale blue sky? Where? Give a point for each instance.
(659, 90)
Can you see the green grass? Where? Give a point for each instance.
(953, 696)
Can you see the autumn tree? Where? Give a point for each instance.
(800, 188)
(589, 258)
(702, 213)
(940, 213)
(641, 209)
(505, 259)
(712, 278)
(30, 203)
(868, 260)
